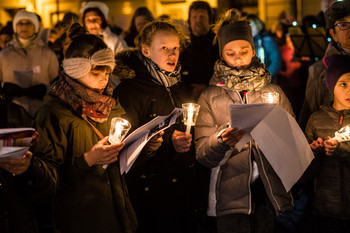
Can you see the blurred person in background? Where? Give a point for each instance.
(94, 19)
(266, 47)
(198, 58)
(141, 17)
(6, 34)
(27, 65)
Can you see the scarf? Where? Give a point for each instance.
(85, 101)
(251, 79)
(162, 76)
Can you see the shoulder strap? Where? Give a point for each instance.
(94, 128)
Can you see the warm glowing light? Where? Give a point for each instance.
(190, 115)
(127, 9)
(270, 97)
(343, 134)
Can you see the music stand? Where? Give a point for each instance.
(312, 43)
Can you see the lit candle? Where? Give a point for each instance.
(270, 97)
(119, 128)
(189, 118)
(343, 134)
(115, 138)
(190, 114)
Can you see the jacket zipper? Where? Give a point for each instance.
(250, 178)
(268, 182)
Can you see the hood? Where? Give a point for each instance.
(125, 63)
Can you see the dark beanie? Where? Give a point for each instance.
(239, 30)
(337, 65)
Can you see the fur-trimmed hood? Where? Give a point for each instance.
(126, 63)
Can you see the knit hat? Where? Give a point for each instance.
(99, 5)
(337, 65)
(239, 30)
(23, 14)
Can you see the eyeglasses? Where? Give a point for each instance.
(343, 25)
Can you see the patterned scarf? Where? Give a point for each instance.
(164, 77)
(251, 79)
(85, 101)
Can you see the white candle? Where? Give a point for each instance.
(189, 119)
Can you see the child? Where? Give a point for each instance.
(163, 190)
(79, 106)
(245, 188)
(332, 186)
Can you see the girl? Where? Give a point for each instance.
(163, 189)
(78, 108)
(244, 188)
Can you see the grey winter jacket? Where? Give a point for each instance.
(232, 192)
(332, 173)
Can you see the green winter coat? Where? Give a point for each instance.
(89, 199)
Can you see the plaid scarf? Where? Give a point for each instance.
(251, 79)
(164, 77)
(85, 101)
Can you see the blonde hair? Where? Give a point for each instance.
(230, 16)
(149, 30)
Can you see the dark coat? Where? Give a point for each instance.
(24, 198)
(198, 59)
(167, 182)
(332, 173)
(89, 199)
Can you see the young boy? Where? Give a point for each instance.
(332, 180)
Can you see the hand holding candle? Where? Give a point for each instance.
(119, 128)
(190, 115)
(270, 97)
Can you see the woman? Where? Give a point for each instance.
(78, 108)
(141, 17)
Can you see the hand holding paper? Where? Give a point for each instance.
(232, 136)
(278, 136)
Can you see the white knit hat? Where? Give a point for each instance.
(100, 5)
(23, 14)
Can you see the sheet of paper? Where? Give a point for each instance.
(13, 152)
(284, 145)
(135, 142)
(278, 136)
(246, 116)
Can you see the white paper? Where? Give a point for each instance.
(135, 141)
(278, 136)
(7, 147)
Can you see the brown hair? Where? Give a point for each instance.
(82, 44)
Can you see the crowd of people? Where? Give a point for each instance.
(69, 82)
